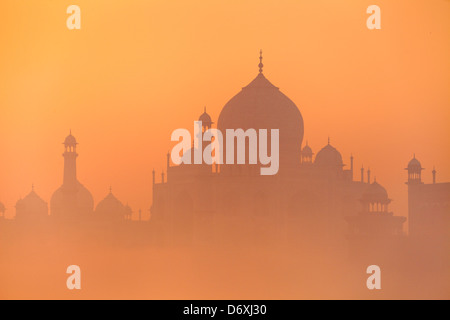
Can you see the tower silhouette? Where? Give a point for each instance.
(70, 162)
(72, 200)
(414, 171)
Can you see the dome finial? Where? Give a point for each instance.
(260, 62)
(110, 189)
(328, 139)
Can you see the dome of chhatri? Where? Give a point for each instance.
(375, 192)
(414, 163)
(329, 156)
(261, 105)
(307, 151)
(70, 140)
(205, 118)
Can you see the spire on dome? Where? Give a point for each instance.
(260, 65)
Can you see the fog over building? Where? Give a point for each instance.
(314, 195)
(310, 196)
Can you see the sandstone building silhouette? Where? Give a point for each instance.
(309, 196)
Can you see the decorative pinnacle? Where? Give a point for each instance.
(260, 62)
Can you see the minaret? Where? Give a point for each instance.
(434, 175)
(362, 174)
(260, 65)
(168, 165)
(168, 161)
(351, 165)
(414, 183)
(70, 162)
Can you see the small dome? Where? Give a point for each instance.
(110, 208)
(375, 192)
(32, 206)
(205, 118)
(70, 140)
(73, 203)
(307, 151)
(2, 207)
(328, 156)
(414, 163)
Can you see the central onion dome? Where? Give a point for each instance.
(261, 105)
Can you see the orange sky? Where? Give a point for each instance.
(137, 70)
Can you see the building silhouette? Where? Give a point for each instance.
(428, 204)
(309, 198)
(31, 208)
(375, 220)
(2, 210)
(111, 209)
(72, 200)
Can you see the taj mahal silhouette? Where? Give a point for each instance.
(313, 196)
